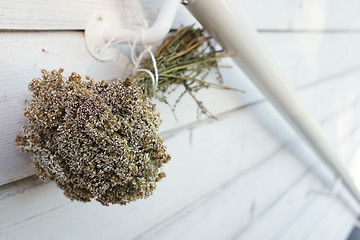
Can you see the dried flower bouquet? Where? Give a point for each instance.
(98, 140)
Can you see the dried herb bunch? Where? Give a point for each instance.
(184, 59)
(95, 140)
(98, 140)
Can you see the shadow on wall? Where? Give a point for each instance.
(355, 233)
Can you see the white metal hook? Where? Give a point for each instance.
(106, 27)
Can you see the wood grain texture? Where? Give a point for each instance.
(279, 15)
(312, 216)
(19, 186)
(73, 15)
(350, 151)
(246, 176)
(175, 193)
(231, 209)
(308, 218)
(308, 58)
(302, 15)
(26, 53)
(227, 190)
(286, 210)
(332, 225)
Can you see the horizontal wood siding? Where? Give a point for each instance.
(246, 176)
(26, 56)
(279, 15)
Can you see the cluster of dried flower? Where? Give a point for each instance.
(95, 140)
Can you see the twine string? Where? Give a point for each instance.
(137, 11)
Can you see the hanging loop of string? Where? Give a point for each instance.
(136, 61)
(136, 32)
(155, 79)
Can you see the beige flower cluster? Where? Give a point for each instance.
(95, 140)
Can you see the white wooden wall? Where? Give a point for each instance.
(245, 176)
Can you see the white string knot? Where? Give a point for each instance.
(136, 32)
(154, 77)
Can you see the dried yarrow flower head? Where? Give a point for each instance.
(95, 140)
(99, 140)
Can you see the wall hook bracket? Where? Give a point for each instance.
(106, 27)
(95, 31)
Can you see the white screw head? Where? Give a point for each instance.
(187, 2)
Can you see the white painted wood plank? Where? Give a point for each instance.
(307, 58)
(275, 15)
(301, 14)
(340, 97)
(335, 224)
(347, 129)
(24, 54)
(23, 57)
(310, 216)
(350, 151)
(341, 226)
(339, 128)
(274, 222)
(344, 132)
(197, 168)
(73, 15)
(133, 219)
(275, 131)
(19, 186)
(234, 207)
(287, 219)
(44, 207)
(205, 160)
(189, 157)
(315, 215)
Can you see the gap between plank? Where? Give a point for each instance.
(209, 195)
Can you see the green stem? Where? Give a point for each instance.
(215, 85)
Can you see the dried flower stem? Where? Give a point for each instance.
(184, 59)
